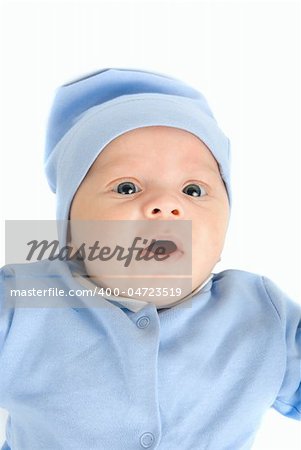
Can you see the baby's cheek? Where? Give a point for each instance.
(209, 237)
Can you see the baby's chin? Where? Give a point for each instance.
(157, 289)
(161, 280)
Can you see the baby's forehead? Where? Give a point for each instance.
(159, 146)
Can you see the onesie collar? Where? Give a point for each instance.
(134, 305)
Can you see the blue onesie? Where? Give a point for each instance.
(124, 378)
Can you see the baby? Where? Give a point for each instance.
(140, 154)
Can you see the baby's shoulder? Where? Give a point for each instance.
(19, 277)
(243, 279)
(45, 267)
(238, 277)
(256, 290)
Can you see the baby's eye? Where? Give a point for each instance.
(195, 190)
(126, 187)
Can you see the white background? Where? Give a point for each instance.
(244, 57)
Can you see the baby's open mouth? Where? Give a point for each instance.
(166, 247)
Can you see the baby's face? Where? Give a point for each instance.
(159, 173)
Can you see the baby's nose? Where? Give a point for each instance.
(166, 210)
(163, 205)
(175, 211)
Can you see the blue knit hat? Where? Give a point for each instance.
(89, 112)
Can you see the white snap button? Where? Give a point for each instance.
(143, 322)
(147, 439)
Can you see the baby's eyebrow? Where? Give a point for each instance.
(112, 171)
(129, 166)
(115, 165)
(200, 171)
